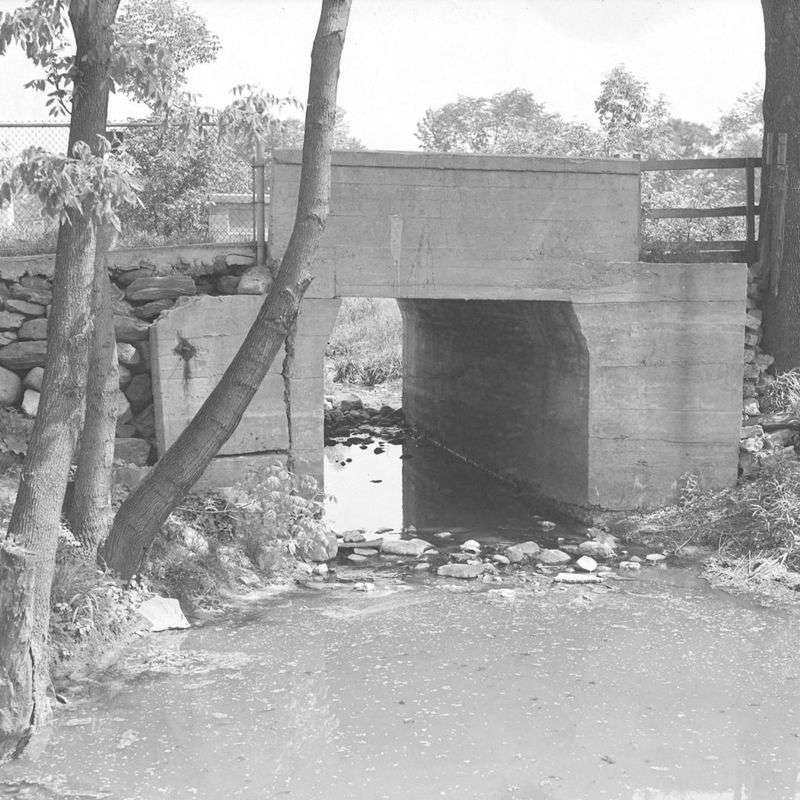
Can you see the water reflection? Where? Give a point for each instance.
(422, 485)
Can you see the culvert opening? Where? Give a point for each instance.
(498, 391)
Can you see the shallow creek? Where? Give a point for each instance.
(655, 687)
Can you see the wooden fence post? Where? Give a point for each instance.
(259, 204)
(778, 203)
(750, 179)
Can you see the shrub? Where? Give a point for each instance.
(783, 394)
(280, 513)
(366, 345)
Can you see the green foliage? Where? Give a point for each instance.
(15, 431)
(141, 64)
(177, 174)
(89, 608)
(86, 184)
(508, 122)
(174, 28)
(366, 344)
(39, 28)
(632, 121)
(758, 517)
(783, 394)
(741, 129)
(277, 510)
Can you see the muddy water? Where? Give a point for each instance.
(654, 688)
(419, 484)
(657, 688)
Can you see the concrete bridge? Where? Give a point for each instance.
(536, 344)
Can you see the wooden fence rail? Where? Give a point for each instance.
(746, 250)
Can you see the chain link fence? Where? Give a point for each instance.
(190, 194)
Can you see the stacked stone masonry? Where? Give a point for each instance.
(764, 438)
(145, 283)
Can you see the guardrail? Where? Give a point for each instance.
(713, 251)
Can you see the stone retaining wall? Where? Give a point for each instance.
(145, 283)
(763, 439)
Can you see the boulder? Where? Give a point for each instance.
(132, 451)
(40, 296)
(145, 423)
(404, 547)
(123, 408)
(139, 392)
(239, 260)
(35, 282)
(586, 563)
(227, 284)
(577, 577)
(152, 309)
(125, 277)
(24, 307)
(522, 551)
(125, 430)
(10, 387)
(166, 287)
(10, 321)
(471, 546)
(319, 547)
(33, 329)
(130, 329)
(255, 280)
(125, 376)
(6, 337)
(351, 403)
(30, 402)
(551, 557)
(23, 355)
(463, 571)
(34, 378)
(163, 614)
(127, 354)
(596, 549)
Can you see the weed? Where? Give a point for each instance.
(783, 394)
(366, 344)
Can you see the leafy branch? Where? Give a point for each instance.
(86, 184)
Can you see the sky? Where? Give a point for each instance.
(404, 56)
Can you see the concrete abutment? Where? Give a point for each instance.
(592, 406)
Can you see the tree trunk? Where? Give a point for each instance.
(782, 115)
(141, 515)
(89, 506)
(35, 520)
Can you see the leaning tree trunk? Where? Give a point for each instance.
(89, 507)
(141, 515)
(782, 116)
(28, 552)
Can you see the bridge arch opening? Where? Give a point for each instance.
(504, 385)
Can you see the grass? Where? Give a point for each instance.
(783, 394)
(754, 529)
(366, 344)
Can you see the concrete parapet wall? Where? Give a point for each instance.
(433, 225)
